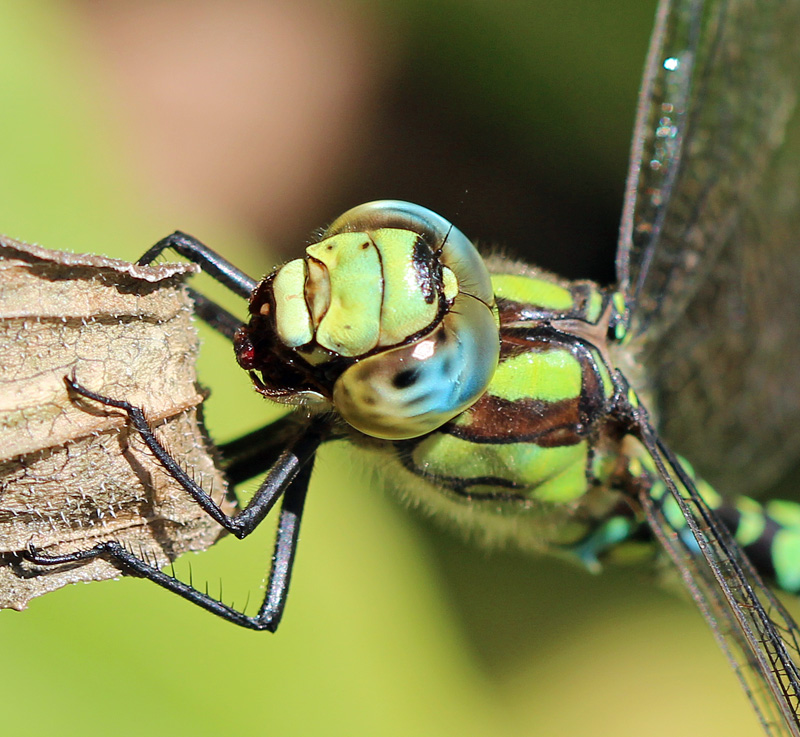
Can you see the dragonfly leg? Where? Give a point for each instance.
(215, 315)
(294, 456)
(271, 609)
(255, 452)
(209, 261)
(215, 266)
(291, 452)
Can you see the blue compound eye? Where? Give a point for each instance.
(411, 390)
(417, 386)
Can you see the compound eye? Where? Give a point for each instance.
(411, 390)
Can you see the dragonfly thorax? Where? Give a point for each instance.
(534, 459)
(390, 319)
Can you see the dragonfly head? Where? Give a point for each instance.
(390, 319)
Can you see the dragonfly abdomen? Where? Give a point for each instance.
(768, 533)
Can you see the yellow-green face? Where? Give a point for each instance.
(358, 291)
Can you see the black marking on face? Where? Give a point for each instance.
(427, 268)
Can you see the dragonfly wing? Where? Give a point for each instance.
(758, 636)
(709, 253)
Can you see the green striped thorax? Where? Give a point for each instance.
(390, 319)
(536, 458)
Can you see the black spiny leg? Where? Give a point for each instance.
(213, 315)
(295, 455)
(215, 266)
(289, 476)
(271, 609)
(212, 263)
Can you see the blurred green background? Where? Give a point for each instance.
(250, 124)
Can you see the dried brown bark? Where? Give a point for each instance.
(72, 472)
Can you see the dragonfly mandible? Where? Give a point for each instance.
(706, 184)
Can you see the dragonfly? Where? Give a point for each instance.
(553, 437)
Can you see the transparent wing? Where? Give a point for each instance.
(709, 253)
(758, 635)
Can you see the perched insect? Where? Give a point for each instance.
(509, 400)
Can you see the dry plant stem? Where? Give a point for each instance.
(72, 473)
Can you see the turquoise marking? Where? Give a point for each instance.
(594, 305)
(603, 539)
(689, 541)
(784, 547)
(558, 477)
(786, 514)
(752, 523)
(620, 329)
(786, 559)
